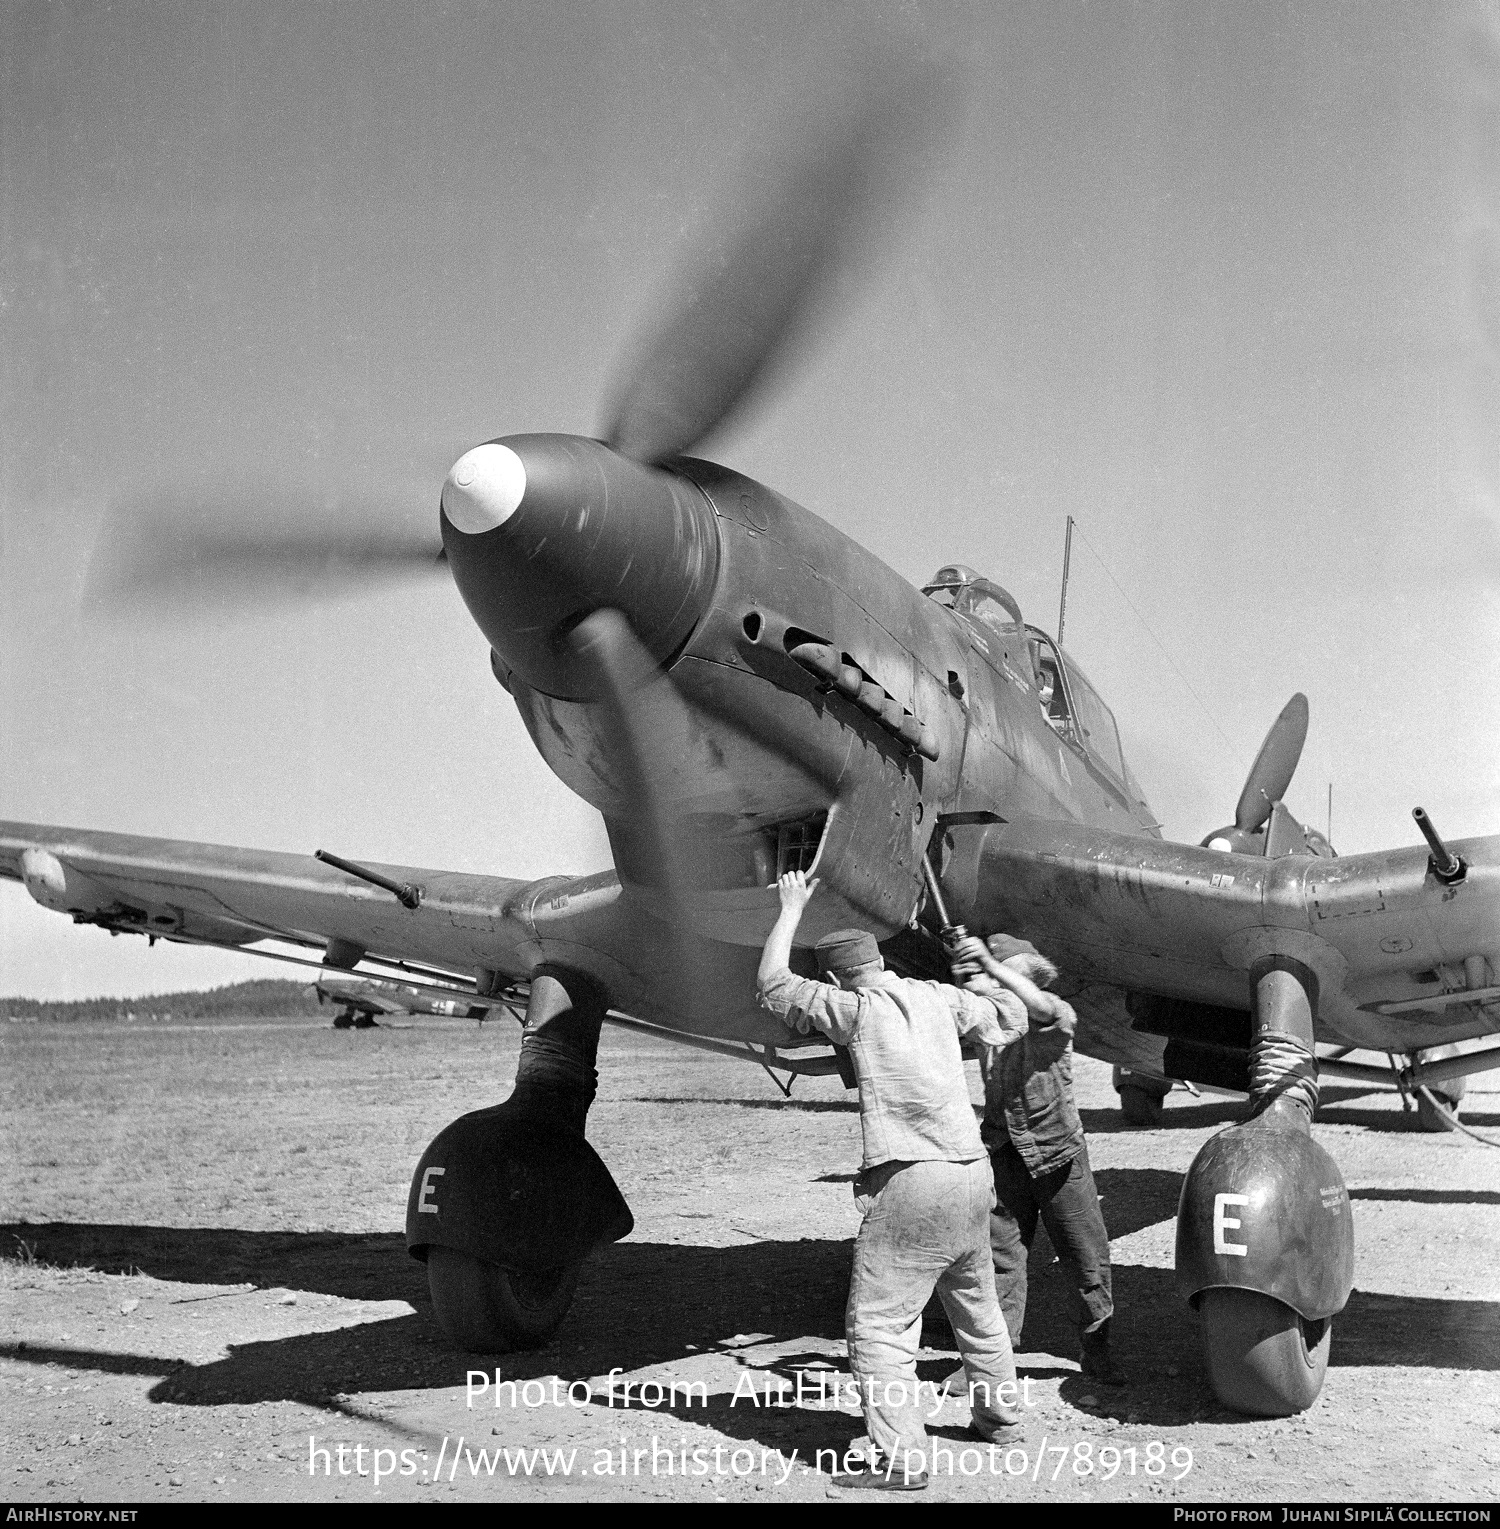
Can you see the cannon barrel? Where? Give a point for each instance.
(1446, 866)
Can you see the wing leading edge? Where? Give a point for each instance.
(227, 896)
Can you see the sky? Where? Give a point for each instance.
(1220, 281)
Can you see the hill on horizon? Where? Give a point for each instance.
(259, 999)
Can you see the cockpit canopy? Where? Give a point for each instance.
(1072, 707)
(961, 589)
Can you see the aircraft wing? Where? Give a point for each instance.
(1404, 961)
(226, 896)
(380, 1005)
(220, 895)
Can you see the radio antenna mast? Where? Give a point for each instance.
(1062, 604)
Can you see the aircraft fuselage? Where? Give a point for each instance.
(771, 759)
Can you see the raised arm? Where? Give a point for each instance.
(1042, 1007)
(796, 891)
(799, 1002)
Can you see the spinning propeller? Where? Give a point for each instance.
(753, 285)
(191, 545)
(538, 529)
(735, 308)
(639, 704)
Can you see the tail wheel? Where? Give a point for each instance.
(1429, 1118)
(1140, 1106)
(1262, 1357)
(485, 1309)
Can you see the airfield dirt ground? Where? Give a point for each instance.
(205, 1281)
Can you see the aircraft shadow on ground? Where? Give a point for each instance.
(1431, 1196)
(1132, 1198)
(658, 1304)
(1334, 1109)
(1189, 1118)
(1396, 1120)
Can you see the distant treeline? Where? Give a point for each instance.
(259, 999)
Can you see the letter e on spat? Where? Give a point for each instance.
(429, 1188)
(1225, 1223)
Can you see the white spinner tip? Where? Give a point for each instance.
(483, 489)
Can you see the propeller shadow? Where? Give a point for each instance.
(808, 1106)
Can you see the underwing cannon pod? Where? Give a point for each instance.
(1265, 1235)
(507, 1202)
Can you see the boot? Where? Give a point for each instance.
(1095, 1360)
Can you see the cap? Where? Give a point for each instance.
(1024, 957)
(1004, 946)
(845, 949)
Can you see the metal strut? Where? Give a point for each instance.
(1283, 1061)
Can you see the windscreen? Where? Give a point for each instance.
(1096, 722)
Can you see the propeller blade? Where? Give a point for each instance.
(185, 545)
(640, 701)
(1274, 765)
(632, 688)
(749, 286)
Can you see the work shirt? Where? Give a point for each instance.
(1028, 1098)
(903, 1036)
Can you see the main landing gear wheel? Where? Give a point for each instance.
(1262, 1357)
(489, 1310)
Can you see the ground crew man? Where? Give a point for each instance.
(924, 1185)
(1040, 1158)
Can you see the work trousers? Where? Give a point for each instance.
(1067, 1204)
(925, 1225)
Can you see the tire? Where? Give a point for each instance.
(1140, 1106)
(1262, 1357)
(1428, 1118)
(485, 1309)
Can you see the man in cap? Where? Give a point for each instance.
(1039, 1156)
(924, 1185)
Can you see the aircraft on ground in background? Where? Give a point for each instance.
(361, 999)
